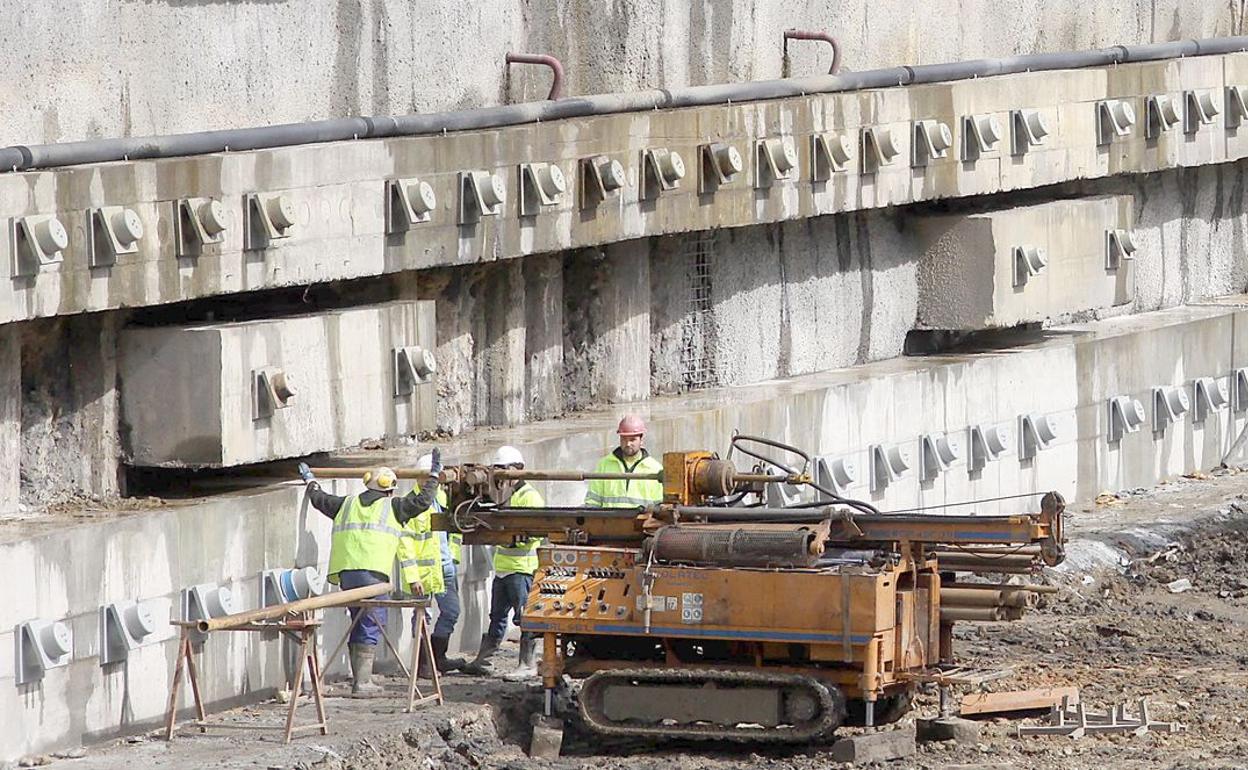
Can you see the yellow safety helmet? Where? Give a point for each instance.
(381, 479)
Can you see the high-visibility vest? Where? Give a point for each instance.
(521, 556)
(625, 493)
(420, 554)
(365, 537)
(454, 540)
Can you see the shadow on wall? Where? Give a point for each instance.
(1191, 229)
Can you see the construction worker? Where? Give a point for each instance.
(366, 535)
(514, 566)
(427, 564)
(629, 457)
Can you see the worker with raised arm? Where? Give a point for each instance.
(427, 565)
(629, 457)
(514, 566)
(366, 535)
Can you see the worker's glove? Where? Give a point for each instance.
(305, 473)
(436, 467)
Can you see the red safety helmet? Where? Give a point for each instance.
(631, 425)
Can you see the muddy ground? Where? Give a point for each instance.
(1117, 631)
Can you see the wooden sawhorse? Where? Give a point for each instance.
(302, 626)
(421, 646)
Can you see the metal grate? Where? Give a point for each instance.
(697, 363)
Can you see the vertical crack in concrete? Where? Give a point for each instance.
(381, 58)
(346, 98)
(784, 355)
(867, 276)
(1189, 190)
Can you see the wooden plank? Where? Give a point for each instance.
(1016, 700)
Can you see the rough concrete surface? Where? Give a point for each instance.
(84, 70)
(69, 408)
(1190, 228)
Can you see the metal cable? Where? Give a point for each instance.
(965, 502)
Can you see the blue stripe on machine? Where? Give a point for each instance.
(778, 636)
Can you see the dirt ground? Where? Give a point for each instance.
(1117, 631)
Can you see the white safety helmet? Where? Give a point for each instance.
(507, 455)
(425, 463)
(381, 479)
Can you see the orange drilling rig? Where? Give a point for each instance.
(713, 616)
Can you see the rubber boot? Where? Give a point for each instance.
(445, 664)
(362, 656)
(527, 669)
(481, 665)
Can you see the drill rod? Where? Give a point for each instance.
(536, 475)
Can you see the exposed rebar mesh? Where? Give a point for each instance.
(697, 362)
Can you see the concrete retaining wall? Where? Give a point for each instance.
(1067, 375)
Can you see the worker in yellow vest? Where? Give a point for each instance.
(629, 457)
(514, 566)
(428, 566)
(366, 535)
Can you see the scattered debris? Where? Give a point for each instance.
(326, 751)
(1179, 586)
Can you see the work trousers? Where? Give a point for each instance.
(507, 597)
(368, 630)
(448, 606)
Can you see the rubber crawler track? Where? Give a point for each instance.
(831, 702)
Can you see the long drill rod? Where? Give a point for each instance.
(346, 472)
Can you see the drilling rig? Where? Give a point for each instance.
(715, 616)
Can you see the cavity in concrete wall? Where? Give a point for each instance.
(69, 408)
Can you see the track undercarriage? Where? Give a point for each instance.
(711, 704)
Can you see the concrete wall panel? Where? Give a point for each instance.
(341, 364)
(969, 280)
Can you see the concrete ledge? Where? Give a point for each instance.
(973, 276)
(336, 193)
(341, 366)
